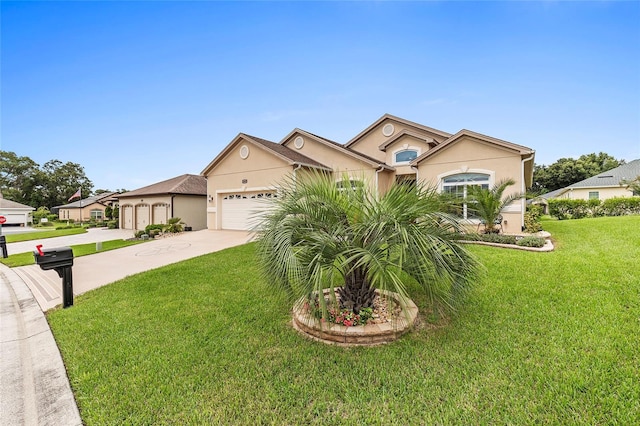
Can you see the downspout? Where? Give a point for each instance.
(416, 169)
(377, 174)
(523, 190)
(294, 173)
(172, 206)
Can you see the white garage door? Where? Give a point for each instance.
(243, 211)
(16, 218)
(142, 216)
(160, 214)
(127, 214)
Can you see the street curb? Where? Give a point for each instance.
(35, 386)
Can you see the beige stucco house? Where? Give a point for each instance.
(391, 149)
(88, 208)
(183, 196)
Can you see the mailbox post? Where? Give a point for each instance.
(3, 246)
(61, 260)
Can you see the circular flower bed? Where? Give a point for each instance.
(386, 322)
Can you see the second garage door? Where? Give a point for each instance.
(243, 211)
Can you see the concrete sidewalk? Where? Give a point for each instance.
(34, 386)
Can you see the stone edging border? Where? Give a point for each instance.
(368, 335)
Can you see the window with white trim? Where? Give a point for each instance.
(457, 185)
(97, 214)
(405, 156)
(594, 195)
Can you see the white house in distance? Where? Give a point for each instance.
(601, 186)
(15, 213)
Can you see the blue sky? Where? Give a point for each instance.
(139, 92)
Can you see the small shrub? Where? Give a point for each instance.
(154, 228)
(44, 225)
(531, 241)
(174, 225)
(112, 224)
(532, 219)
(139, 234)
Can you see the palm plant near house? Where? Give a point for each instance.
(174, 225)
(320, 234)
(488, 203)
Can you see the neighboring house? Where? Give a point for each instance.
(15, 213)
(391, 149)
(183, 196)
(602, 186)
(86, 209)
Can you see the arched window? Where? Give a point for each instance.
(457, 185)
(405, 156)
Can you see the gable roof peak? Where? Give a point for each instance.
(406, 122)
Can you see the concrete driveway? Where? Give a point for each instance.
(94, 271)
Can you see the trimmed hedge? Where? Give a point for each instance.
(531, 241)
(576, 209)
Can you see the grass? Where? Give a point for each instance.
(37, 235)
(22, 259)
(546, 338)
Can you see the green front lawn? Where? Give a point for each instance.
(546, 338)
(22, 259)
(38, 235)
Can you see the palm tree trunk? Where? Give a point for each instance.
(356, 292)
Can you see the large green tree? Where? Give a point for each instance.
(62, 181)
(24, 181)
(321, 235)
(20, 178)
(567, 171)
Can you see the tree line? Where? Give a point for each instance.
(24, 181)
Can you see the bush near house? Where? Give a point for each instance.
(578, 209)
(532, 219)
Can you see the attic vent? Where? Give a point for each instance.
(244, 152)
(388, 129)
(602, 177)
(298, 142)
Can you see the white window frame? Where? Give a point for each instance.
(464, 170)
(403, 148)
(93, 214)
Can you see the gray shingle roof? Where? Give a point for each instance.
(286, 152)
(628, 171)
(184, 185)
(86, 201)
(8, 204)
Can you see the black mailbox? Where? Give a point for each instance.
(60, 259)
(54, 258)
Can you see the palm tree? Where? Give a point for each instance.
(320, 235)
(488, 203)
